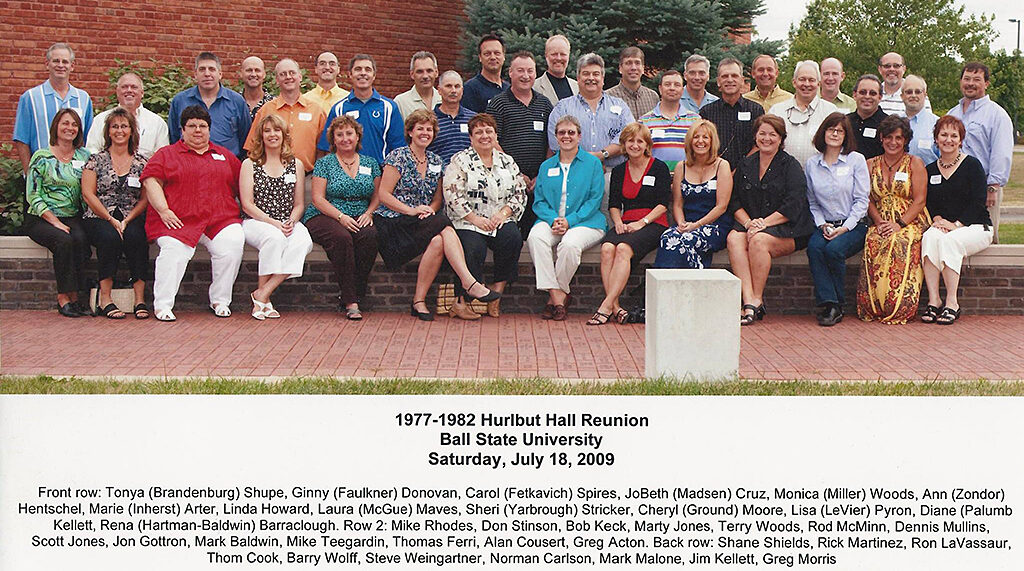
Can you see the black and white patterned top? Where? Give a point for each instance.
(275, 196)
(115, 192)
(470, 187)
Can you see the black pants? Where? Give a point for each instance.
(507, 244)
(70, 249)
(110, 246)
(529, 218)
(351, 254)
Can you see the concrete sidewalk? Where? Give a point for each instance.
(515, 345)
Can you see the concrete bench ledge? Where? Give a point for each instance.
(12, 247)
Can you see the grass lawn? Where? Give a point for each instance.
(318, 386)
(1013, 193)
(1011, 233)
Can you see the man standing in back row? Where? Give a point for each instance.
(640, 99)
(488, 83)
(697, 70)
(733, 115)
(423, 94)
(765, 71)
(230, 118)
(989, 135)
(891, 68)
(327, 91)
(554, 84)
(152, 127)
(38, 106)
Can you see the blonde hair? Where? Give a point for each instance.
(636, 129)
(705, 125)
(258, 154)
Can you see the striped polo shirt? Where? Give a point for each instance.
(452, 133)
(669, 133)
(38, 106)
(522, 129)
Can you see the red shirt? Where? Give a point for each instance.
(202, 190)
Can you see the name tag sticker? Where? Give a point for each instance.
(538, 125)
(617, 109)
(843, 171)
(353, 114)
(217, 157)
(464, 128)
(289, 178)
(713, 184)
(901, 177)
(134, 182)
(77, 164)
(305, 116)
(363, 169)
(434, 168)
(648, 181)
(658, 134)
(743, 116)
(869, 132)
(554, 171)
(935, 179)
(924, 144)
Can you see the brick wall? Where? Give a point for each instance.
(103, 30)
(28, 283)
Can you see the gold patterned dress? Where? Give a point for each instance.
(890, 278)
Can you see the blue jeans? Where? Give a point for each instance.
(827, 259)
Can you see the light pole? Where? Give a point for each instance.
(1017, 21)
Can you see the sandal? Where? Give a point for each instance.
(220, 309)
(930, 314)
(165, 315)
(141, 311)
(270, 312)
(948, 316)
(259, 309)
(749, 318)
(353, 314)
(622, 316)
(599, 318)
(111, 311)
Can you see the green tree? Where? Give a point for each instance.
(668, 31)
(1007, 84)
(934, 36)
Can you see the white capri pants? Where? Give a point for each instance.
(279, 254)
(555, 258)
(225, 258)
(947, 249)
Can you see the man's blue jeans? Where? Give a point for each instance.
(827, 259)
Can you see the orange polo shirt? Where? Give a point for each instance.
(305, 120)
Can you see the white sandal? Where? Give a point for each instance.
(220, 309)
(165, 315)
(270, 312)
(259, 309)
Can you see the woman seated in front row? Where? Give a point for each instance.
(837, 189)
(340, 218)
(116, 218)
(408, 222)
(637, 202)
(567, 201)
(701, 189)
(772, 219)
(270, 188)
(484, 197)
(960, 221)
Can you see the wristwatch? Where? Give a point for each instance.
(605, 154)
(646, 221)
(992, 189)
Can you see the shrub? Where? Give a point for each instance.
(12, 192)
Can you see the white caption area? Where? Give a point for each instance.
(295, 482)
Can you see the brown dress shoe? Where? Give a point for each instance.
(494, 308)
(559, 314)
(463, 311)
(548, 312)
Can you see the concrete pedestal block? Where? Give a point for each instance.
(693, 324)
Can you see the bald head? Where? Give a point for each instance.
(914, 94)
(327, 70)
(832, 76)
(253, 72)
(288, 76)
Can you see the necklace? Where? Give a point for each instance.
(950, 165)
(62, 155)
(418, 160)
(351, 163)
(892, 166)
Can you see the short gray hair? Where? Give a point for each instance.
(589, 59)
(555, 38)
(697, 58)
(570, 119)
(421, 55)
(59, 46)
(919, 78)
(448, 73)
(729, 61)
(808, 63)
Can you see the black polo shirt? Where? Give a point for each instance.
(869, 140)
(735, 126)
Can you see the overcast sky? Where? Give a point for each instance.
(774, 25)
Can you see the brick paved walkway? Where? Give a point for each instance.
(516, 345)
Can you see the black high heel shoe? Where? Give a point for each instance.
(491, 294)
(760, 312)
(421, 315)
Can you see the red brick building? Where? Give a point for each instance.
(101, 31)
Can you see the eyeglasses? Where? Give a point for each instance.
(566, 133)
(870, 92)
(836, 131)
(914, 91)
(891, 65)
